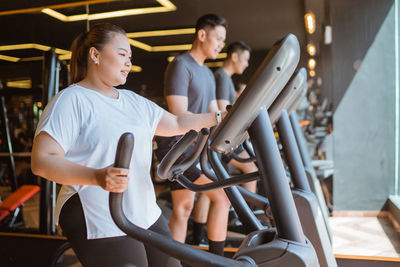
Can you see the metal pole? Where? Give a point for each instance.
(6, 133)
(246, 215)
(47, 188)
(274, 178)
(292, 154)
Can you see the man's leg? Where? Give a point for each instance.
(246, 167)
(182, 205)
(200, 214)
(217, 221)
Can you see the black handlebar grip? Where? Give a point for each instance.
(194, 153)
(176, 151)
(124, 151)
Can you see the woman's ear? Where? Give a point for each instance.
(94, 55)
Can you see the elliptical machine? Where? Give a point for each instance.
(284, 246)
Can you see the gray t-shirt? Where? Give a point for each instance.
(185, 77)
(225, 90)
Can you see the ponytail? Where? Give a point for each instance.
(97, 37)
(79, 58)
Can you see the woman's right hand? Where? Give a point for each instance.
(113, 179)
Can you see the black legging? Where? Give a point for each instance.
(121, 251)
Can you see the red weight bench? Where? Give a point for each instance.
(11, 205)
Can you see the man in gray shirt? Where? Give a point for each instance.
(238, 55)
(189, 87)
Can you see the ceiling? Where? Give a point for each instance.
(258, 22)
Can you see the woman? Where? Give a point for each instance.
(75, 144)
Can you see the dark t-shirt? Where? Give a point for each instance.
(185, 77)
(225, 90)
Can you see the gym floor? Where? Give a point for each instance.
(365, 235)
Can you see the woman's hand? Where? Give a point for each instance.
(113, 179)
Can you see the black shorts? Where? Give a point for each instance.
(228, 157)
(113, 251)
(164, 144)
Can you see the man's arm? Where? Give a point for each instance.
(222, 103)
(213, 106)
(221, 90)
(178, 104)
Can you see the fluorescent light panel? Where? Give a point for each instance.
(8, 58)
(214, 64)
(25, 84)
(161, 33)
(160, 48)
(166, 6)
(57, 6)
(64, 54)
(135, 68)
(164, 48)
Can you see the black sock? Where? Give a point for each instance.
(216, 247)
(198, 232)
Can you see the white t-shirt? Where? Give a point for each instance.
(87, 125)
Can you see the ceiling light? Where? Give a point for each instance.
(140, 45)
(135, 68)
(161, 33)
(312, 51)
(8, 58)
(160, 48)
(54, 14)
(312, 63)
(214, 64)
(164, 48)
(65, 56)
(26, 59)
(222, 55)
(32, 46)
(309, 20)
(25, 84)
(57, 6)
(166, 6)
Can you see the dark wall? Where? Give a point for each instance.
(355, 24)
(363, 79)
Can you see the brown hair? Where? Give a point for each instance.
(98, 36)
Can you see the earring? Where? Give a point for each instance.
(96, 62)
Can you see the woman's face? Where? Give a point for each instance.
(114, 61)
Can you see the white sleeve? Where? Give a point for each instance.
(152, 112)
(61, 119)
